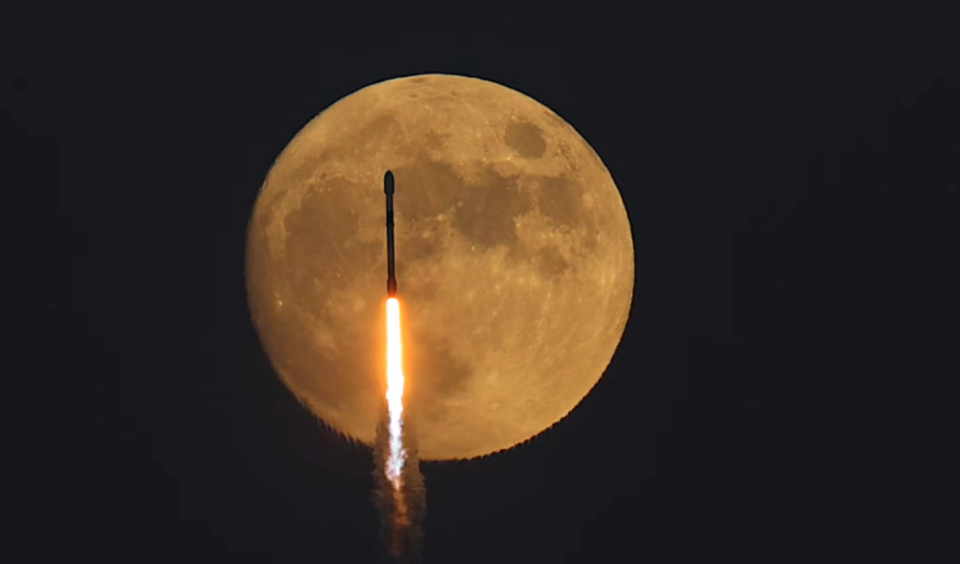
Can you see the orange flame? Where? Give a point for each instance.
(395, 381)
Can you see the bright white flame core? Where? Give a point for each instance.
(397, 456)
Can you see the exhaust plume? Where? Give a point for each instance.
(399, 495)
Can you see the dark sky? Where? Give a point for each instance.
(782, 390)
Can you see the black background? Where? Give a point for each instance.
(782, 392)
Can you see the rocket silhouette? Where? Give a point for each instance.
(389, 189)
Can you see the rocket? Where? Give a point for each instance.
(388, 189)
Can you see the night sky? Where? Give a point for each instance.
(782, 392)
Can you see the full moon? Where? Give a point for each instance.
(514, 261)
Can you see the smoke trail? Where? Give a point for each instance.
(399, 494)
(401, 502)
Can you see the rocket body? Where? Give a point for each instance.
(388, 190)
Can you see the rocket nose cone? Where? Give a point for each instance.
(388, 183)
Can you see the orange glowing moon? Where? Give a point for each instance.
(514, 259)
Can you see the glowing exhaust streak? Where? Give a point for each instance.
(397, 456)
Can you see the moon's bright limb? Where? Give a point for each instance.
(514, 257)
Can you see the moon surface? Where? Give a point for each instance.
(514, 261)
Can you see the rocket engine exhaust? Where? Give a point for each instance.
(400, 495)
(401, 505)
